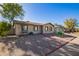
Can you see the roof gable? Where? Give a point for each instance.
(49, 24)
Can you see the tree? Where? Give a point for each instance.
(11, 11)
(4, 28)
(70, 24)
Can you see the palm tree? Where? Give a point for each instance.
(11, 11)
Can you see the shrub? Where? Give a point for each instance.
(59, 34)
(31, 33)
(4, 28)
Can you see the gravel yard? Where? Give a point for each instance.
(38, 45)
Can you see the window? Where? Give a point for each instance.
(35, 28)
(51, 29)
(46, 28)
(24, 27)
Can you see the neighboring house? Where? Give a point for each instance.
(59, 28)
(22, 27)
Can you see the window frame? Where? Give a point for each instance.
(46, 28)
(51, 29)
(35, 28)
(24, 28)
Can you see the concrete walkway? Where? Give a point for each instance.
(71, 49)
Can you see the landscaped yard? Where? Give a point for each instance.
(32, 44)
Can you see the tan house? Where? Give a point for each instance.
(22, 27)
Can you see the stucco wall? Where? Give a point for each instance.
(31, 29)
(17, 29)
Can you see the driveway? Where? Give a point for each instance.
(38, 45)
(70, 49)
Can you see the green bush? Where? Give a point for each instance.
(59, 34)
(4, 28)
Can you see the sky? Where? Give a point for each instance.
(50, 12)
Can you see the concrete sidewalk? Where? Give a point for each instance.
(71, 49)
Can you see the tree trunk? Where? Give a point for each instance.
(12, 26)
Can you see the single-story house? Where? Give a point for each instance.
(25, 27)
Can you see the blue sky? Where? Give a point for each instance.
(50, 12)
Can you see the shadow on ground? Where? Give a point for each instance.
(32, 44)
(68, 50)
